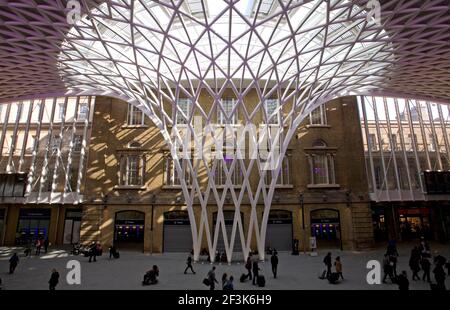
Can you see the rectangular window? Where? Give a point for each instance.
(271, 107)
(72, 178)
(322, 169)
(61, 111)
(227, 116)
(56, 140)
(411, 142)
(132, 172)
(11, 144)
(318, 116)
(378, 177)
(431, 143)
(30, 149)
(83, 111)
(220, 175)
(135, 116)
(373, 142)
(172, 177)
(283, 176)
(184, 107)
(394, 145)
(77, 143)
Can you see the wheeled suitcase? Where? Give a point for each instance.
(261, 281)
(334, 277)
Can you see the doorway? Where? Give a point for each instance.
(129, 230)
(326, 227)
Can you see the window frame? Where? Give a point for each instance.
(133, 115)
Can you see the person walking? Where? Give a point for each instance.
(112, 251)
(424, 248)
(93, 252)
(387, 268)
(439, 277)
(414, 263)
(338, 266)
(54, 280)
(212, 278)
(255, 269)
(403, 282)
(327, 262)
(426, 267)
(13, 262)
(248, 266)
(274, 263)
(46, 244)
(189, 265)
(38, 247)
(224, 280)
(392, 252)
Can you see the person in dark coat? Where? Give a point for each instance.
(93, 252)
(54, 280)
(439, 277)
(13, 261)
(387, 269)
(46, 244)
(274, 263)
(328, 264)
(426, 267)
(189, 265)
(212, 278)
(39, 243)
(248, 266)
(255, 269)
(403, 282)
(112, 251)
(424, 248)
(414, 263)
(392, 252)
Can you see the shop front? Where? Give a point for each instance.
(72, 226)
(33, 224)
(325, 226)
(129, 229)
(415, 223)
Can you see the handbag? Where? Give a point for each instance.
(206, 282)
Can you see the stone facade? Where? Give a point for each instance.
(111, 135)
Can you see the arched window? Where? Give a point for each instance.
(134, 145)
(319, 143)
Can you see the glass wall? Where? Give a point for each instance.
(44, 140)
(402, 138)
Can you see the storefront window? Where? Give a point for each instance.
(33, 224)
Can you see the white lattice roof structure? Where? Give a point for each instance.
(152, 53)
